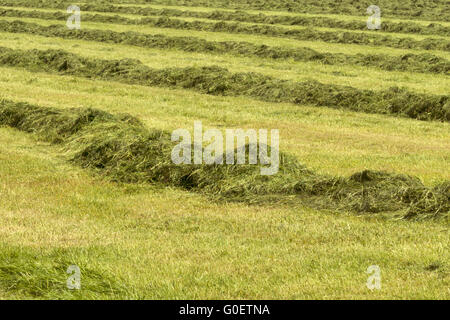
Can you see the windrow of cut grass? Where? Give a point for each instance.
(215, 80)
(417, 9)
(354, 76)
(242, 16)
(121, 148)
(423, 63)
(304, 34)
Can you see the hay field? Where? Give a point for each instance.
(86, 176)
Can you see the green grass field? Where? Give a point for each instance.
(157, 239)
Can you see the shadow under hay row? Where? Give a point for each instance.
(122, 149)
(215, 80)
(424, 63)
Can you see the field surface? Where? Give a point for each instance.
(85, 172)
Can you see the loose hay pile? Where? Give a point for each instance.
(121, 148)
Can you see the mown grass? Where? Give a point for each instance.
(146, 241)
(240, 22)
(215, 80)
(425, 63)
(120, 148)
(328, 35)
(410, 27)
(256, 39)
(160, 243)
(328, 141)
(286, 69)
(130, 10)
(341, 16)
(434, 10)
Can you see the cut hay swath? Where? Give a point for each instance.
(403, 8)
(215, 80)
(422, 62)
(361, 183)
(121, 148)
(303, 34)
(240, 16)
